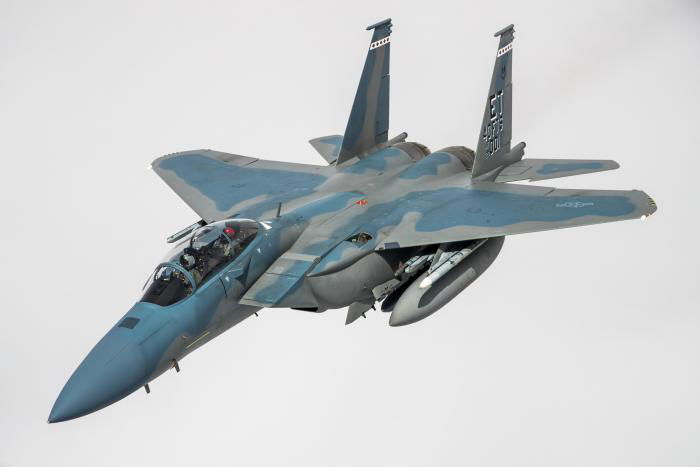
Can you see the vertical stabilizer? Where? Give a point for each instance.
(368, 124)
(496, 129)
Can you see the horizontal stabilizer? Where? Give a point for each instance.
(328, 146)
(543, 169)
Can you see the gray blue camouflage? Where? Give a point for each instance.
(340, 234)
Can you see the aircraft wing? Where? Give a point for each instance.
(217, 185)
(487, 209)
(543, 169)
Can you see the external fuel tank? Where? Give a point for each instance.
(416, 303)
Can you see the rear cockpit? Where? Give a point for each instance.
(197, 258)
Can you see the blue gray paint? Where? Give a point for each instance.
(343, 251)
(226, 185)
(280, 287)
(501, 79)
(486, 209)
(449, 207)
(368, 123)
(405, 203)
(328, 146)
(377, 162)
(428, 166)
(328, 204)
(127, 358)
(548, 169)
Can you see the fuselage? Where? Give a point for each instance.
(151, 339)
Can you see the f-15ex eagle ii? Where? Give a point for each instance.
(384, 220)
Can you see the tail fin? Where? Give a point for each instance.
(368, 124)
(493, 148)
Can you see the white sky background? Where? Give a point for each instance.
(578, 347)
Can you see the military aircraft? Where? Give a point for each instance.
(384, 220)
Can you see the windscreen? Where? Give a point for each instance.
(198, 258)
(169, 284)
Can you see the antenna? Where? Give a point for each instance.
(279, 209)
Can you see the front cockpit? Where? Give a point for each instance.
(198, 258)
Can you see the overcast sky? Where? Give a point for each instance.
(578, 347)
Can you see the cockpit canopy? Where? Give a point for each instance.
(197, 258)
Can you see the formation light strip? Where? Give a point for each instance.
(379, 43)
(504, 50)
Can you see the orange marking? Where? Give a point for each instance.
(362, 202)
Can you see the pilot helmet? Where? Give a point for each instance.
(188, 260)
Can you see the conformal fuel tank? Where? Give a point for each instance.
(415, 303)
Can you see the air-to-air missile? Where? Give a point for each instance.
(436, 286)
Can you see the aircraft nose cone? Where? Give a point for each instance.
(112, 370)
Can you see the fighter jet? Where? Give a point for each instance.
(381, 221)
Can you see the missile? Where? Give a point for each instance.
(416, 303)
(445, 265)
(415, 263)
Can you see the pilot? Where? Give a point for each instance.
(219, 252)
(361, 238)
(238, 237)
(187, 260)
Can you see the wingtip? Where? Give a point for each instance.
(651, 206)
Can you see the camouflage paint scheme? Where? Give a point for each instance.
(341, 234)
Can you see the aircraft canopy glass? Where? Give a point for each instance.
(197, 258)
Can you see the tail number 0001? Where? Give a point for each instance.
(494, 129)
